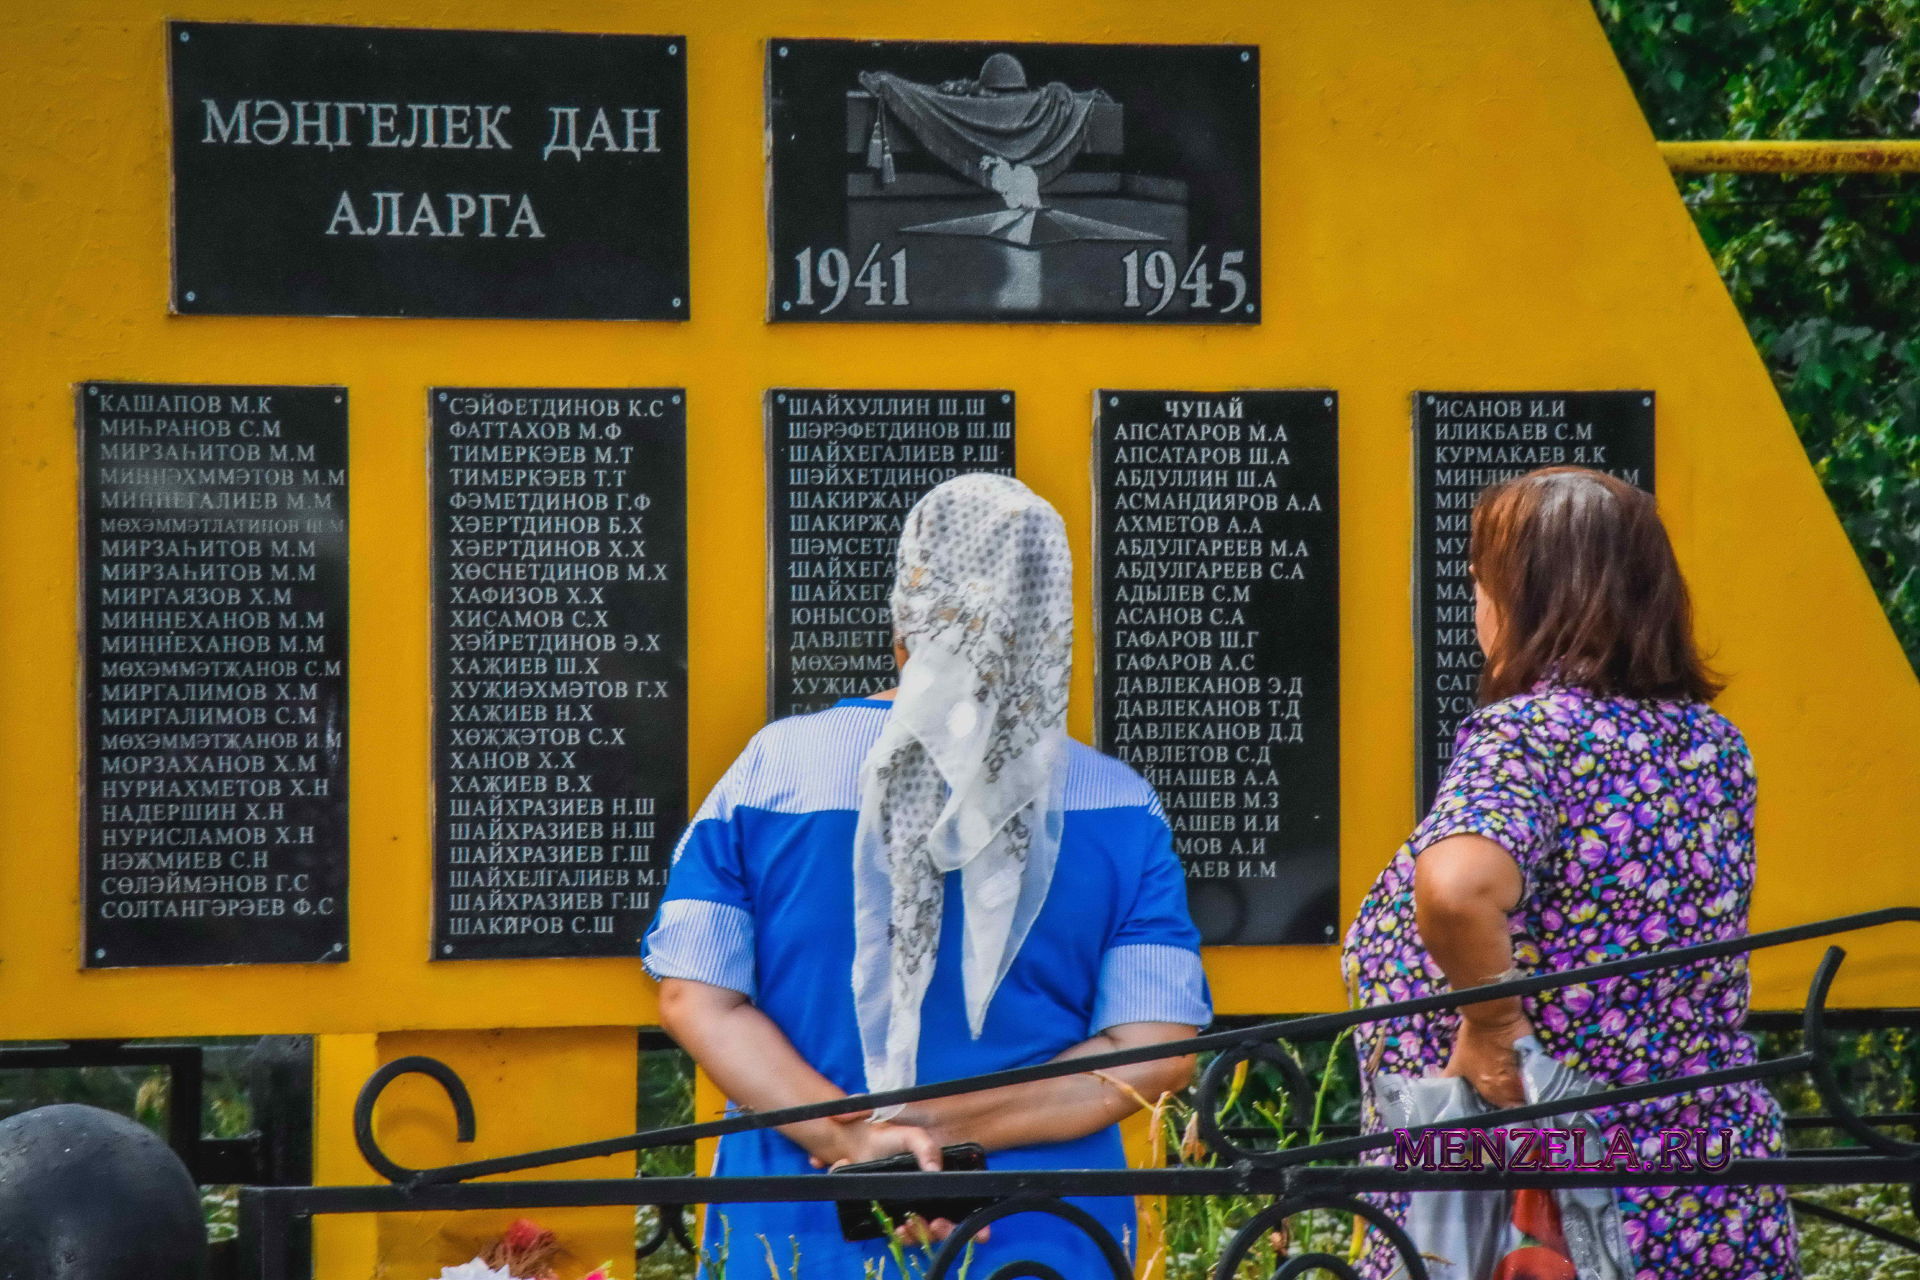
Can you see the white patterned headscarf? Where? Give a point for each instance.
(969, 772)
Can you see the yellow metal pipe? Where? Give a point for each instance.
(1891, 156)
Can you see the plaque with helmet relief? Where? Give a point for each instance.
(977, 180)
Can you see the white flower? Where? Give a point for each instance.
(474, 1270)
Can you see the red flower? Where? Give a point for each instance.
(526, 1250)
(524, 1234)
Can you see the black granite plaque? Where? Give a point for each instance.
(1002, 181)
(1465, 441)
(214, 605)
(559, 666)
(1218, 583)
(366, 171)
(843, 469)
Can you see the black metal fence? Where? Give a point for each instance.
(1295, 1177)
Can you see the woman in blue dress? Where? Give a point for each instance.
(930, 883)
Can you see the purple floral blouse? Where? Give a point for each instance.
(1632, 822)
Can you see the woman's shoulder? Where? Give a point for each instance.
(849, 723)
(806, 762)
(1549, 715)
(1096, 780)
(1538, 717)
(1711, 736)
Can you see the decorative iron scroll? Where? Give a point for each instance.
(1298, 1178)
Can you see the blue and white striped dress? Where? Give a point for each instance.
(760, 900)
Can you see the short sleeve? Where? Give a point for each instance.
(1499, 786)
(1151, 969)
(704, 928)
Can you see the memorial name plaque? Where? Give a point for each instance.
(997, 181)
(367, 171)
(843, 468)
(1465, 441)
(214, 607)
(1218, 580)
(559, 666)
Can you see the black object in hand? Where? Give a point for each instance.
(863, 1219)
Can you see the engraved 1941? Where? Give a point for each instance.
(920, 180)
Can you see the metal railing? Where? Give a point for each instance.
(1315, 1175)
(1756, 155)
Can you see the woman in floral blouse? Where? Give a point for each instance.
(1596, 807)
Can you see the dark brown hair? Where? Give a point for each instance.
(1586, 589)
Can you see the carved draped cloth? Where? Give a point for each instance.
(1042, 128)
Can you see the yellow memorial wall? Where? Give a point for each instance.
(1457, 195)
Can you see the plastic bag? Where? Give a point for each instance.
(1499, 1235)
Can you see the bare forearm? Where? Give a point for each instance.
(1059, 1109)
(753, 1063)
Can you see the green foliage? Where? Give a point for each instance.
(1194, 1231)
(1826, 270)
(1879, 1071)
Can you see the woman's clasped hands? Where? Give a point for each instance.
(861, 1139)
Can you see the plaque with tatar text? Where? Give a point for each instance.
(843, 469)
(995, 180)
(214, 621)
(1464, 442)
(369, 171)
(1217, 581)
(559, 666)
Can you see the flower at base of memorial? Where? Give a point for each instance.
(525, 1251)
(474, 1270)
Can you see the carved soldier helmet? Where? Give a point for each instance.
(1003, 71)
